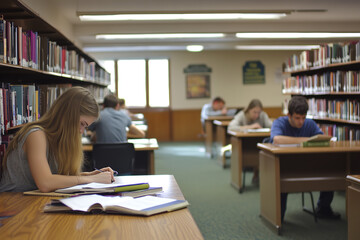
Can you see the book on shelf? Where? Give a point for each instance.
(145, 206)
(135, 193)
(103, 188)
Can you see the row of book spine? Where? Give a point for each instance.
(335, 109)
(327, 82)
(325, 55)
(20, 104)
(348, 109)
(342, 133)
(32, 50)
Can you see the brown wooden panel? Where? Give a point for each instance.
(186, 125)
(158, 125)
(273, 112)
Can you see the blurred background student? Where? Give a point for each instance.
(215, 108)
(251, 118)
(112, 124)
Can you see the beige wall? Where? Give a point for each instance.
(226, 77)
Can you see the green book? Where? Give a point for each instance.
(316, 144)
(103, 188)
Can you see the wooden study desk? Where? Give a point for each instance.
(244, 154)
(298, 169)
(222, 139)
(353, 206)
(144, 154)
(30, 222)
(210, 132)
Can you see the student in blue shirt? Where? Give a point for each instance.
(296, 128)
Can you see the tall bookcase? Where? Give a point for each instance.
(34, 53)
(329, 78)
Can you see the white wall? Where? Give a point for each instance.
(226, 77)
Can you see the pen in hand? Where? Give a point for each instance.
(115, 172)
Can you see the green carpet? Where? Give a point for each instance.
(222, 213)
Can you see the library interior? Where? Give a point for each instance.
(238, 119)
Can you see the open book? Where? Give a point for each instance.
(103, 188)
(258, 130)
(146, 206)
(317, 141)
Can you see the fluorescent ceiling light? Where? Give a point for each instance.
(297, 35)
(276, 47)
(133, 48)
(194, 48)
(180, 16)
(159, 36)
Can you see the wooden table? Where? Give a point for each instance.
(144, 154)
(353, 206)
(31, 223)
(222, 139)
(244, 154)
(210, 132)
(299, 169)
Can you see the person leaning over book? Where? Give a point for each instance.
(47, 154)
(296, 128)
(111, 126)
(215, 108)
(251, 118)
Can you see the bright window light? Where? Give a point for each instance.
(194, 48)
(159, 36)
(277, 47)
(159, 83)
(180, 16)
(297, 35)
(132, 82)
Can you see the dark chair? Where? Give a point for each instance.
(267, 140)
(119, 156)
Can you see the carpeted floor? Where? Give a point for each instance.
(222, 213)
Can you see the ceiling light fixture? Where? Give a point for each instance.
(194, 48)
(179, 16)
(159, 36)
(297, 35)
(276, 47)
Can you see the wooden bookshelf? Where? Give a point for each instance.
(333, 92)
(57, 65)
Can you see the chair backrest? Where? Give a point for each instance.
(118, 156)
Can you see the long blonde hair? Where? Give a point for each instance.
(61, 124)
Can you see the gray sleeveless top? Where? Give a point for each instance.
(17, 176)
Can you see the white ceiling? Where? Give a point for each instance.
(335, 16)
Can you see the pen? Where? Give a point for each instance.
(115, 172)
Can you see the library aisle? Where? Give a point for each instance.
(222, 213)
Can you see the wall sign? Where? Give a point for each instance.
(253, 72)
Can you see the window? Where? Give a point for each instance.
(144, 83)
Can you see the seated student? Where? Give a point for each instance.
(253, 117)
(215, 108)
(111, 126)
(123, 107)
(296, 128)
(47, 154)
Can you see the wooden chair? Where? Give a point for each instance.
(118, 156)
